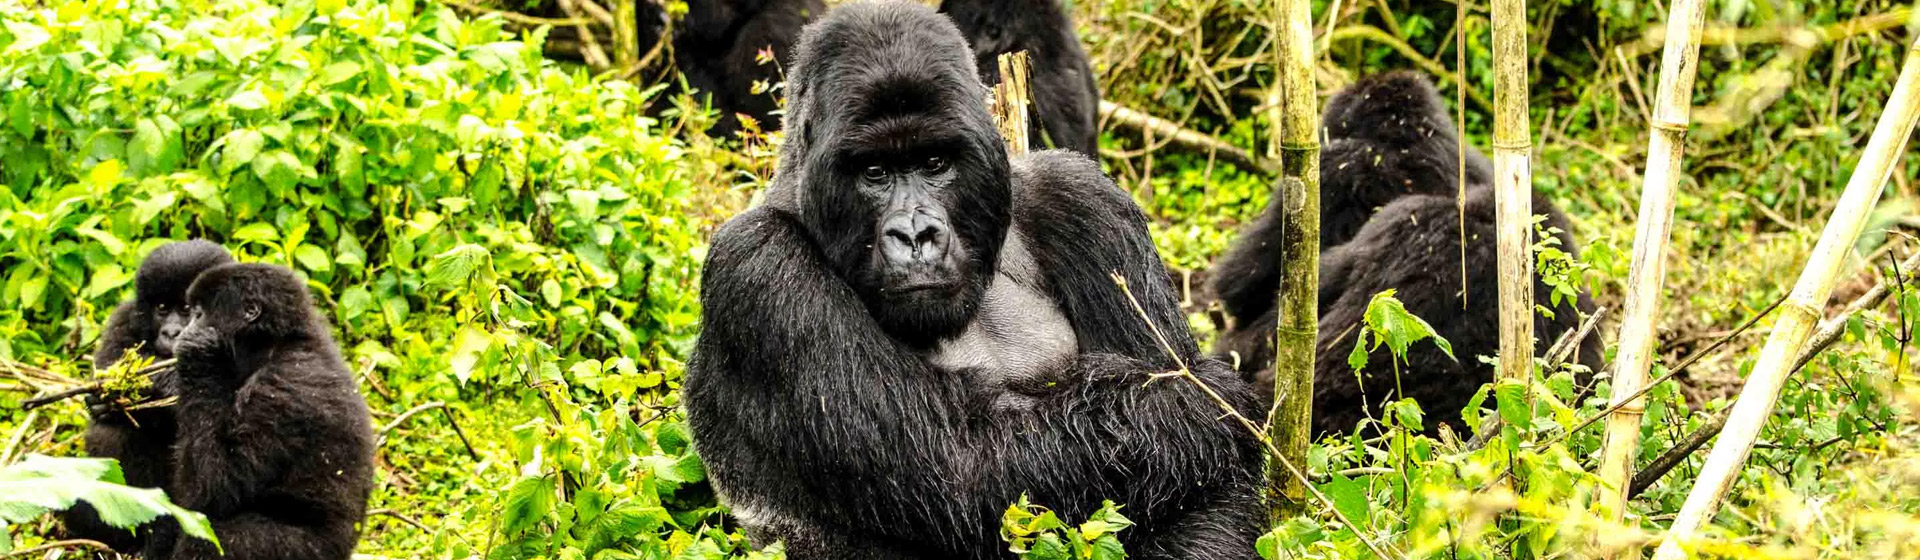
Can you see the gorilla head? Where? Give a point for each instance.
(160, 289)
(894, 167)
(230, 305)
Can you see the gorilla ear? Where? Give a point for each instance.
(253, 311)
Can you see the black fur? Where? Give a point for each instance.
(813, 402)
(141, 440)
(1391, 145)
(716, 48)
(1066, 100)
(1388, 136)
(1412, 246)
(276, 445)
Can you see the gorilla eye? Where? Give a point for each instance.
(936, 164)
(875, 173)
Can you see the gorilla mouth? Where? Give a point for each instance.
(918, 287)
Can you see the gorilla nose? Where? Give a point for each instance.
(914, 237)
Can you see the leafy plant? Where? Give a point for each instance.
(39, 484)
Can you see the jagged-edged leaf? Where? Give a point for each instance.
(528, 502)
(455, 266)
(1399, 328)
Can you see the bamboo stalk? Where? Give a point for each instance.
(1010, 100)
(1801, 311)
(1298, 326)
(1672, 114)
(1513, 188)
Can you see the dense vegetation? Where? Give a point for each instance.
(511, 247)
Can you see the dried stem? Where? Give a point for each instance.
(1801, 311)
(1010, 100)
(1829, 333)
(1646, 276)
(1190, 139)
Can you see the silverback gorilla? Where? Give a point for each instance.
(275, 443)
(863, 330)
(142, 440)
(1066, 100)
(1390, 143)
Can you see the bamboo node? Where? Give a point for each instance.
(1523, 145)
(1668, 126)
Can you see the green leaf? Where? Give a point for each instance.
(257, 232)
(1349, 497)
(337, 72)
(26, 36)
(249, 100)
(31, 292)
(314, 258)
(468, 345)
(1511, 398)
(41, 484)
(528, 503)
(456, 266)
(1387, 316)
(242, 146)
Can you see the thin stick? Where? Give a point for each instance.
(1801, 311)
(56, 545)
(1298, 118)
(1646, 277)
(1265, 441)
(1829, 333)
(448, 412)
(91, 387)
(1190, 139)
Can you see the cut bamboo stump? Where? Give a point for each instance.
(1671, 117)
(1801, 311)
(1010, 100)
(1298, 326)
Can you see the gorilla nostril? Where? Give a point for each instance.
(929, 235)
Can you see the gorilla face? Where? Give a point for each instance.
(897, 171)
(160, 288)
(244, 307)
(169, 319)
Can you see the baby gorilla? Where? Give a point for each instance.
(275, 444)
(141, 440)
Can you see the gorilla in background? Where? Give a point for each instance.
(141, 440)
(1411, 246)
(716, 48)
(1388, 136)
(1066, 101)
(275, 442)
(913, 330)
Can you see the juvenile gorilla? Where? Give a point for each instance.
(1066, 100)
(142, 440)
(864, 329)
(1391, 144)
(717, 45)
(1413, 246)
(275, 443)
(1388, 136)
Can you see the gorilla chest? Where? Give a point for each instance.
(1019, 342)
